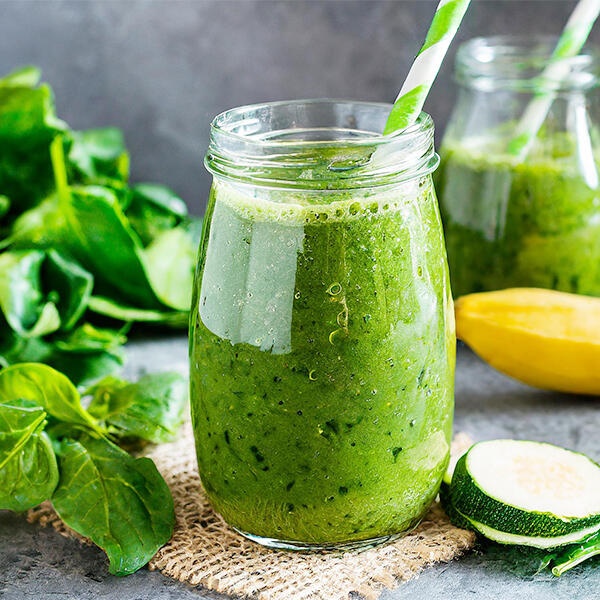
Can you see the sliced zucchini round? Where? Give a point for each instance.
(545, 543)
(455, 517)
(530, 489)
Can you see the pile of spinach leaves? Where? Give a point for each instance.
(83, 252)
(52, 448)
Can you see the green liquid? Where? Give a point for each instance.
(322, 362)
(535, 224)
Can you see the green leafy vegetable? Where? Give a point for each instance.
(28, 470)
(152, 409)
(154, 209)
(21, 299)
(566, 558)
(40, 227)
(28, 126)
(104, 243)
(121, 503)
(4, 205)
(97, 154)
(169, 264)
(79, 245)
(110, 308)
(48, 389)
(72, 285)
(77, 360)
(77, 241)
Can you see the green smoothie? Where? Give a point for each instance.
(322, 360)
(534, 224)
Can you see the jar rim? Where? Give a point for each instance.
(317, 143)
(516, 62)
(231, 117)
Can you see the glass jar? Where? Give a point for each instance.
(521, 221)
(322, 341)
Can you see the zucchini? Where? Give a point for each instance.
(545, 543)
(455, 517)
(519, 492)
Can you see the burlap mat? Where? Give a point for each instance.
(204, 551)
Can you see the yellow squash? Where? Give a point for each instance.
(547, 339)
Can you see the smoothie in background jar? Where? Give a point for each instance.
(521, 222)
(322, 335)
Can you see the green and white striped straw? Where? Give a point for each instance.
(571, 41)
(420, 78)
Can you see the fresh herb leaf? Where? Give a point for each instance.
(154, 209)
(169, 263)
(4, 205)
(77, 360)
(48, 389)
(115, 310)
(27, 127)
(97, 155)
(121, 503)
(152, 409)
(28, 469)
(28, 76)
(102, 240)
(87, 338)
(566, 558)
(40, 227)
(72, 285)
(22, 300)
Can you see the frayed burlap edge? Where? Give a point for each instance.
(204, 551)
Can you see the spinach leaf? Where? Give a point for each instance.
(22, 301)
(566, 558)
(81, 367)
(115, 310)
(93, 229)
(88, 353)
(27, 127)
(27, 76)
(84, 368)
(18, 423)
(151, 409)
(71, 284)
(97, 155)
(121, 503)
(4, 205)
(154, 209)
(28, 469)
(46, 388)
(84, 355)
(40, 227)
(170, 261)
(42, 292)
(101, 238)
(87, 338)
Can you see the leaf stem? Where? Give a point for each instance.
(57, 156)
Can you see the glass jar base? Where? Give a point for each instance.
(295, 546)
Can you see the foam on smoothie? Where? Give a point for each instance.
(293, 208)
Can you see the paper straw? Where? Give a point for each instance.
(571, 41)
(410, 100)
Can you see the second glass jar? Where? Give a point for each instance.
(531, 221)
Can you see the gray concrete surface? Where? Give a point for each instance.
(161, 69)
(38, 563)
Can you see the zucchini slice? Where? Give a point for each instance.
(455, 517)
(545, 543)
(527, 489)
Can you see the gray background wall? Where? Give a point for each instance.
(160, 69)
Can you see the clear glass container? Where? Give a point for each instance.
(322, 341)
(531, 220)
